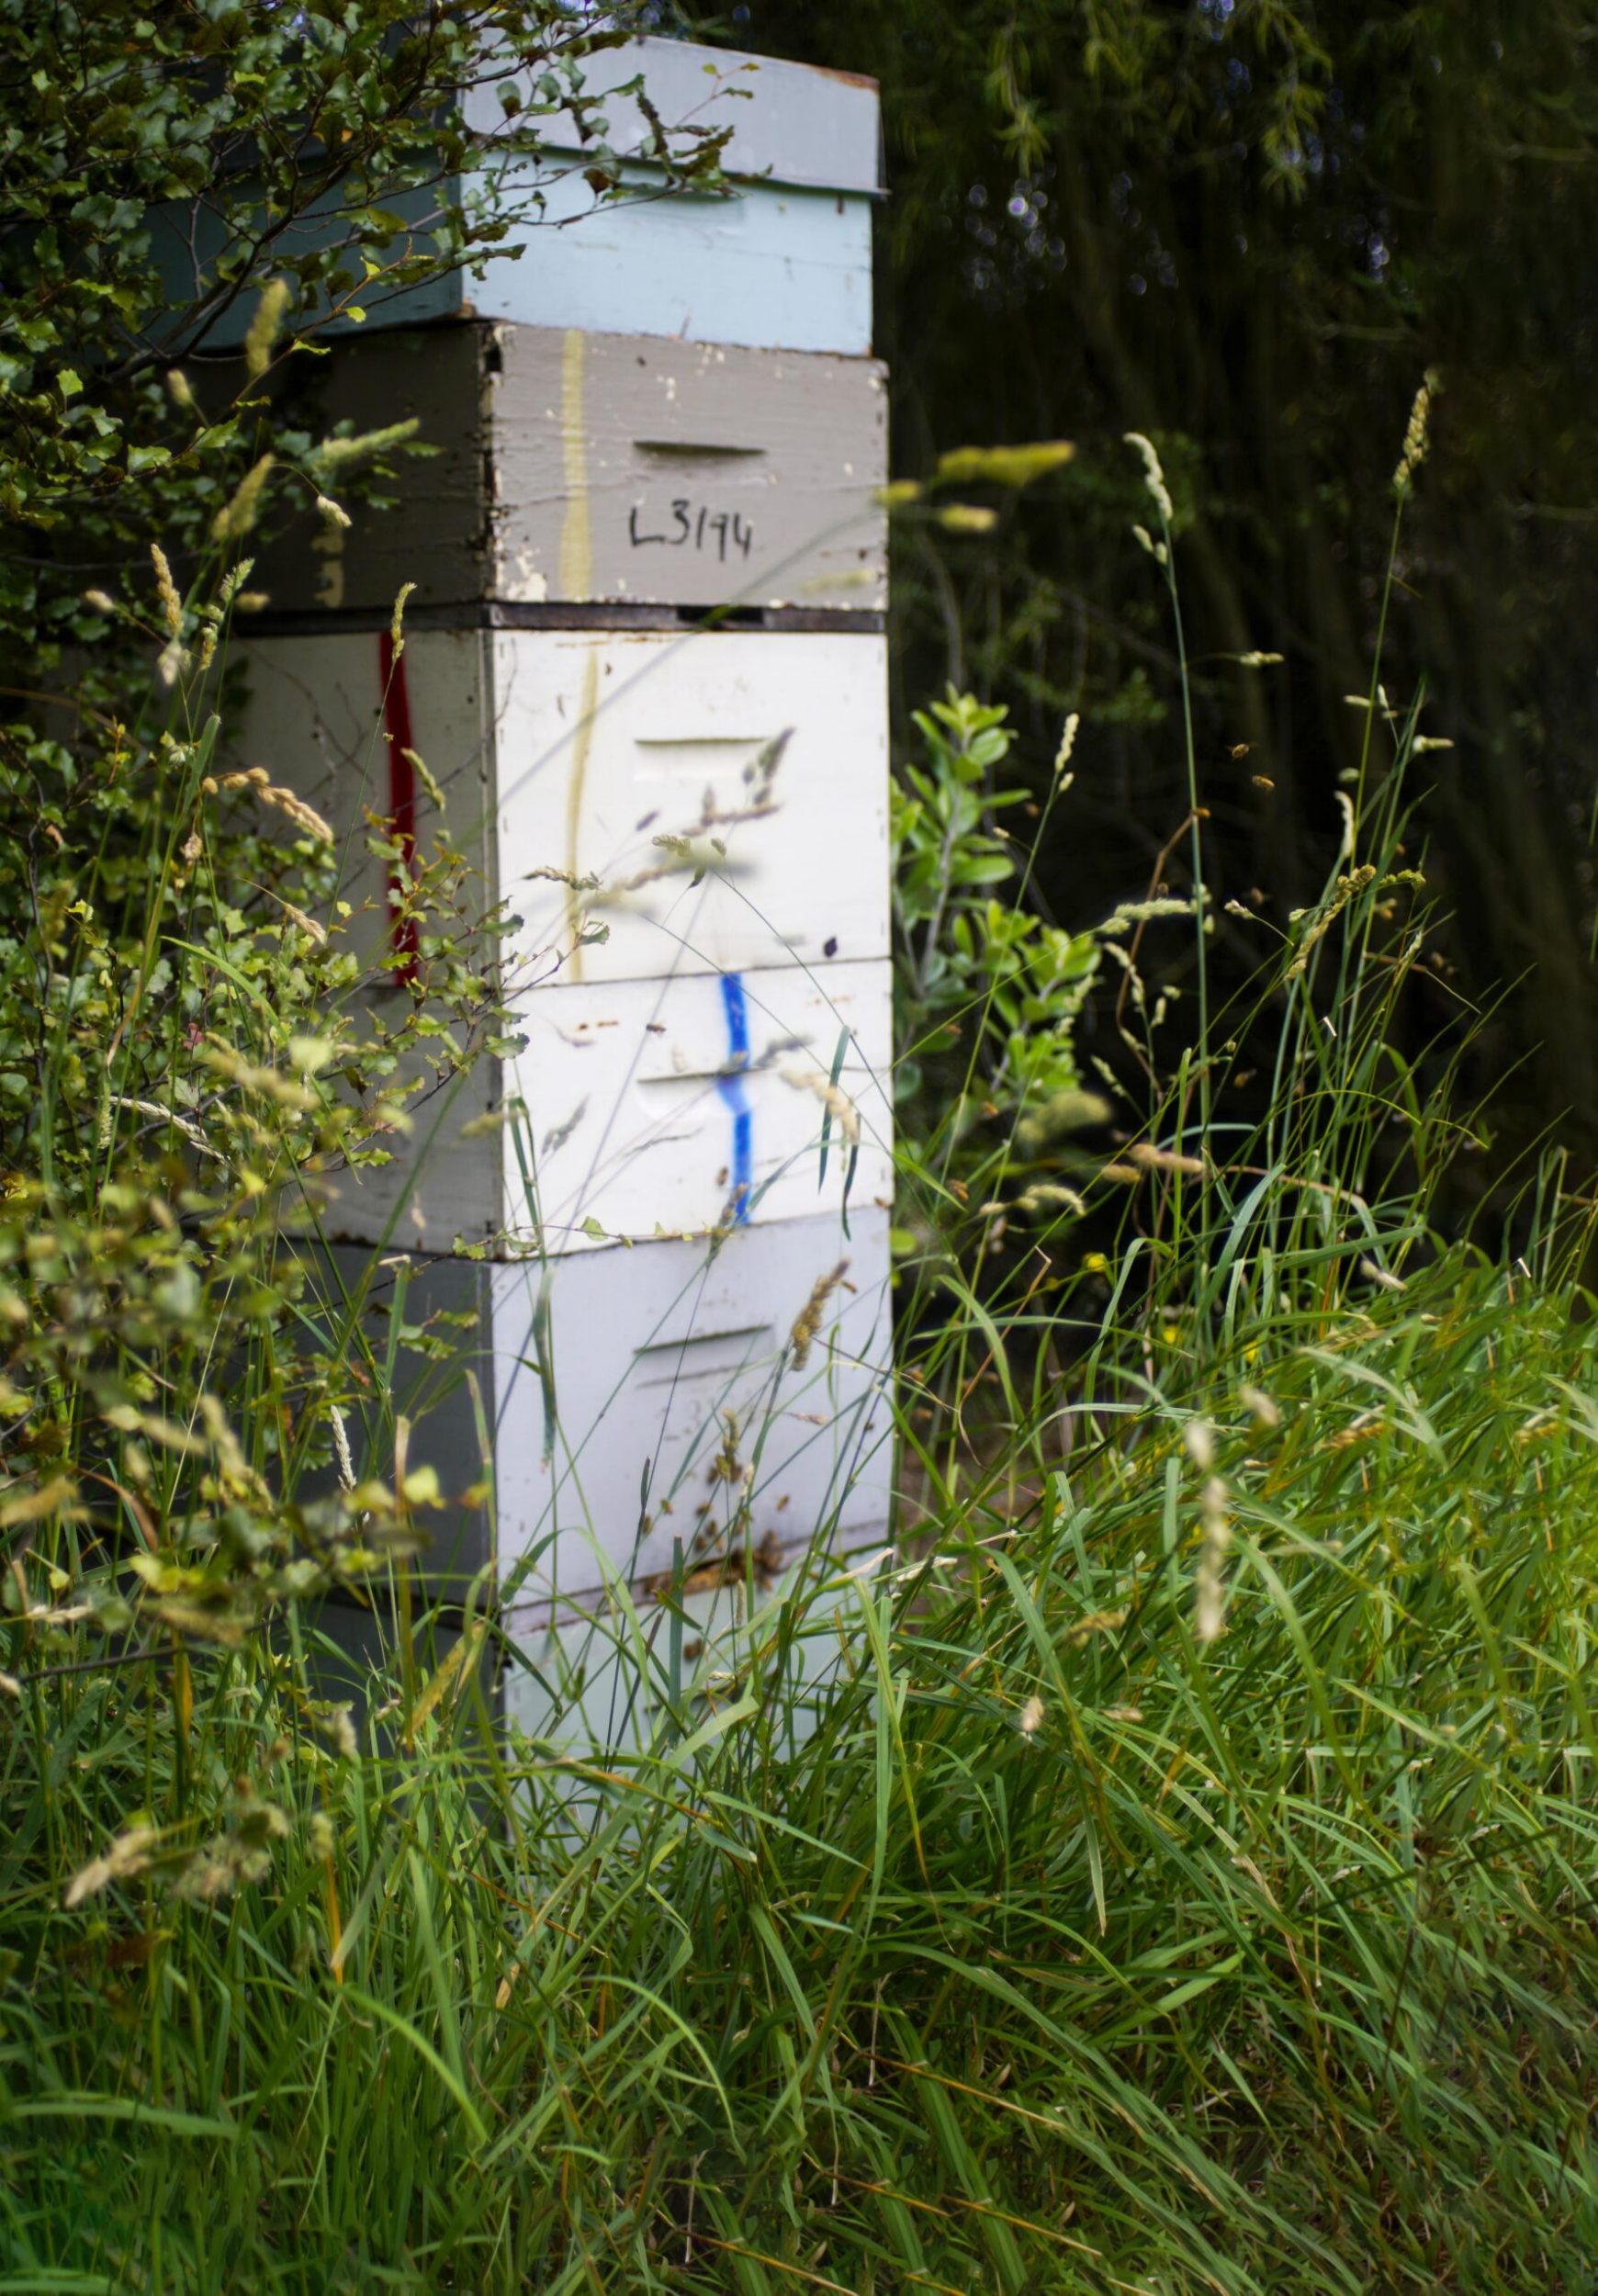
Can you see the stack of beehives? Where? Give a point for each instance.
(644, 670)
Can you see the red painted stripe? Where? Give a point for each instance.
(402, 792)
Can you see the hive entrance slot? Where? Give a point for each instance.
(703, 1356)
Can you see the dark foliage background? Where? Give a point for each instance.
(1248, 228)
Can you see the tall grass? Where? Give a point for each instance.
(1069, 1949)
(1171, 1872)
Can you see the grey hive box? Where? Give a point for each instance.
(596, 469)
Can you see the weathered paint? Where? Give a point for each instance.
(681, 730)
(617, 1107)
(770, 745)
(711, 474)
(763, 264)
(399, 803)
(604, 1383)
(576, 526)
(599, 468)
(649, 1399)
(320, 714)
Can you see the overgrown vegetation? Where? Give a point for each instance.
(211, 1005)
(1170, 1871)
(1071, 1951)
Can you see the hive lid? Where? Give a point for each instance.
(793, 123)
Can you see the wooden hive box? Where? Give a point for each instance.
(592, 471)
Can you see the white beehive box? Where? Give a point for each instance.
(616, 1676)
(764, 754)
(648, 1108)
(606, 1383)
(671, 1107)
(785, 261)
(580, 752)
(648, 1402)
(574, 468)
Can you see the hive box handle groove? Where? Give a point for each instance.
(679, 448)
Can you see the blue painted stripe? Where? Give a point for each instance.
(733, 1091)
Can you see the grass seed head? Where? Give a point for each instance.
(833, 1098)
(1417, 438)
(234, 519)
(166, 589)
(347, 1465)
(1153, 475)
(127, 1856)
(1198, 1438)
(265, 327)
(260, 784)
(808, 1323)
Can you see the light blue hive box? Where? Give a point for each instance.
(782, 261)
